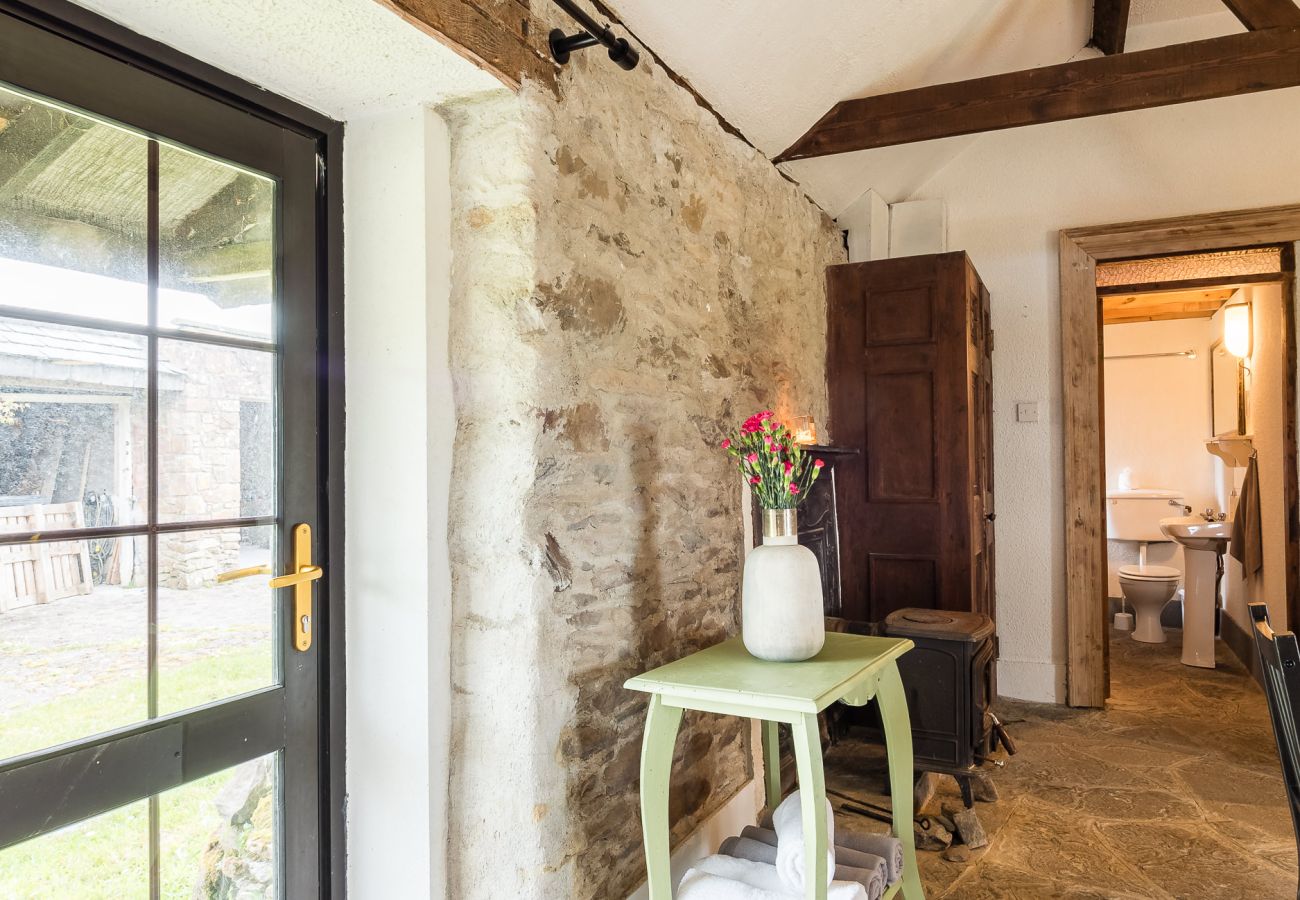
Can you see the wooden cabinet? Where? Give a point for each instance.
(909, 369)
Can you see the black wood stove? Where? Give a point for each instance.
(951, 681)
(950, 677)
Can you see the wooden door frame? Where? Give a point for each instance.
(1081, 399)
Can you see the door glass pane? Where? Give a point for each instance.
(72, 424)
(73, 639)
(101, 858)
(72, 212)
(216, 615)
(216, 254)
(218, 835)
(216, 432)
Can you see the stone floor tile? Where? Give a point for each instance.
(1174, 791)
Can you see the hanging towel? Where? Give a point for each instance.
(787, 822)
(724, 878)
(869, 871)
(1247, 546)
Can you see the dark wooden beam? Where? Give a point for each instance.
(1109, 25)
(494, 34)
(1202, 70)
(1260, 14)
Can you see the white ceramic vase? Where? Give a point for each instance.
(781, 594)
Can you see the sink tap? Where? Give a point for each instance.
(1211, 516)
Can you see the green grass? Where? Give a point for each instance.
(115, 704)
(107, 858)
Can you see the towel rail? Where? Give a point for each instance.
(1186, 354)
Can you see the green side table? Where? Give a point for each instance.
(726, 679)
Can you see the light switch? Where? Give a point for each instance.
(1027, 412)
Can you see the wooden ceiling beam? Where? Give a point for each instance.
(496, 36)
(1109, 25)
(1201, 70)
(1157, 316)
(1260, 14)
(1151, 308)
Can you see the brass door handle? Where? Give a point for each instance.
(304, 574)
(234, 574)
(300, 579)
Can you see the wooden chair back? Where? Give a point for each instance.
(1279, 656)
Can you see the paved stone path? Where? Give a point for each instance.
(1173, 792)
(68, 645)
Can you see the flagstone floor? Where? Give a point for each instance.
(1174, 791)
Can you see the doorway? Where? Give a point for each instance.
(166, 285)
(1082, 317)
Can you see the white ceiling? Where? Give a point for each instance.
(772, 67)
(345, 58)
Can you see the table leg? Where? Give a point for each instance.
(898, 742)
(772, 762)
(812, 794)
(661, 726)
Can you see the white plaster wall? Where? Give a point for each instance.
(1157, 420)
(398, 468)
(1008, 196)
(1158, 410)
(1266, 423)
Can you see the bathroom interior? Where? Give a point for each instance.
(1199, 369)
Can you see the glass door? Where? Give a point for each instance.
(159, 466)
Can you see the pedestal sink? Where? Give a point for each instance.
(1203, 544)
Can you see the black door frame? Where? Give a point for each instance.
(94, 32)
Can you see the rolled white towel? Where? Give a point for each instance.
(725, 878)
(699, 885)
(787, 821)
(870, 871)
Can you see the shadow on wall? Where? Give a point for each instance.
(610, 641)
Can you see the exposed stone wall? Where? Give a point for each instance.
(635, 283)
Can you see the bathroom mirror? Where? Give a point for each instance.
(1227, 392)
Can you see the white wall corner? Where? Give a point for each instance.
(918, 227)
(866, 220)
(398, 258)
(1027, 679)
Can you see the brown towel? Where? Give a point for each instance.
(1247, 546)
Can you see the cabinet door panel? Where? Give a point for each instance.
(910, 380)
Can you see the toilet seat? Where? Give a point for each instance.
(1150, 573)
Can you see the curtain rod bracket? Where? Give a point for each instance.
(562, 45)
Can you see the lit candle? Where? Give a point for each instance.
(804, 429)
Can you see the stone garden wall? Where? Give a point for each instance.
(630, 281)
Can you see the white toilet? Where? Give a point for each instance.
(1135, 515)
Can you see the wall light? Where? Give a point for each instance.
(1237, 330)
